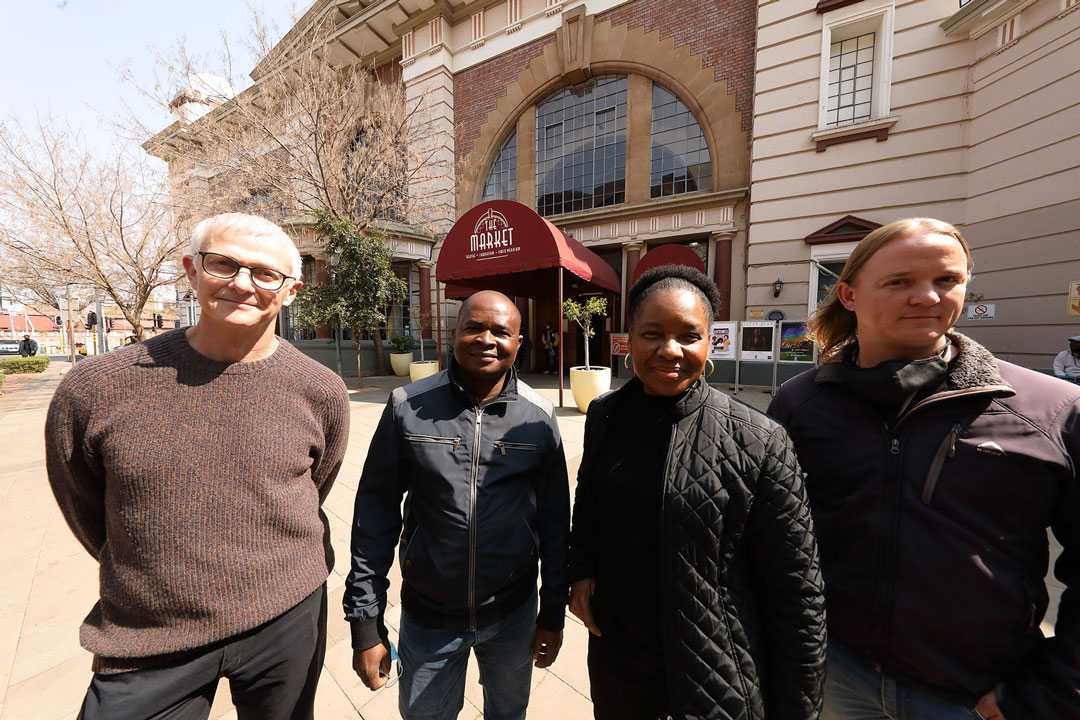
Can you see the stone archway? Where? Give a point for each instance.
(588, 47)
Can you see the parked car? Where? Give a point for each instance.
(9, 346)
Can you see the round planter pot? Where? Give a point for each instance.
(400, 363)
(422, 368)
(588, 384)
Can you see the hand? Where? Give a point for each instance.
(987, 707)
(372, 665)
(581, 594)
(546, 644)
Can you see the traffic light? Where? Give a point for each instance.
(108, 324)
(159, 322)
(59, 321)
(91, 319)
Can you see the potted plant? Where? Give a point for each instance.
(419, 369)
(400, 358)
(587, 382)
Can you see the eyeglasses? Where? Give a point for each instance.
(224, 267)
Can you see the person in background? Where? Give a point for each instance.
(478, 457)
(934, 470)
(28, 347)
(550, 340)
(692, 553)
(192, 467)
(1067, 362)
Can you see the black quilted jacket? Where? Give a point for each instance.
(743, 614)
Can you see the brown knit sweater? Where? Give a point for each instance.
(197, 486)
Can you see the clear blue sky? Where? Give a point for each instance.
(64, 57)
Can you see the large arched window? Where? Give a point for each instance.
(501, 181)
(581, 147)
(680, 155)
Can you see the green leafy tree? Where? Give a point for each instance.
(361, 284)
(583, 313)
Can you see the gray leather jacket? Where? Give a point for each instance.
(486, 497)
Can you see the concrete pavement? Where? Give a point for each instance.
(48, 582)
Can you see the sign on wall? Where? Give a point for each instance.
(492, 237)
(981, 311)
(795, 342)
(620, 343)
(722, 340)
(757, 340)
(1073, 304)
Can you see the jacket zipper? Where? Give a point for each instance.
(663, 541)
(946, 450)
(472, 520)
(455, 441)
(503, 446)
(887, 554)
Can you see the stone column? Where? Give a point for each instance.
(425, 290)
(633, 256)
(722, 271)
(638, 144)
(430, 97)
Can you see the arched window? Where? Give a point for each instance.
(680, 155)
(581, 147)
(502, 178)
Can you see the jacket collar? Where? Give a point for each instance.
(974, 369)
(691, 400)
(509, 392)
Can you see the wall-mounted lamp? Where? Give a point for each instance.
(777, 287)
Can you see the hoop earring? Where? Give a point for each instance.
(712, 367)
(626, 361)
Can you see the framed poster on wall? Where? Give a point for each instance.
(722, 340)
(795, 342)
(757, 340)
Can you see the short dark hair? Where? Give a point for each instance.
(674, 277)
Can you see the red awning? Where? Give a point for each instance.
(670, 254)
(37, 323)
(504, 245)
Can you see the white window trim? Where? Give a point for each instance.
(825, 253)
(836, 19)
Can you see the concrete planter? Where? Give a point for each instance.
(589, 384)
(400, 363)
(422, 369)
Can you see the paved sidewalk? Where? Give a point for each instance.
(48, 583)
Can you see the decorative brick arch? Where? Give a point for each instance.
(615, 49)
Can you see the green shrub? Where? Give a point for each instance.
(403, 343)
(2, 376)
(19, 365)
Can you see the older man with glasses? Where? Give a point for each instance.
(193, 467)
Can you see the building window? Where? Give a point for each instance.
(827, 274)
(478, 26)
(502, 178)
(581, 147)
(851, 81)
(680, 155)
(856, 67)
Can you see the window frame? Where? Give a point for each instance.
(707, 184)
(825, 253)
(879, 17)
(508, 144)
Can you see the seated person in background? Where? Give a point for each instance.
(1067, 362)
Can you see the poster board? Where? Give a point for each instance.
(1072, 305)
(757, 340)
(795, 343)
(722, 340)
(620, 343)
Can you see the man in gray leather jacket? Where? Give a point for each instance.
(478, 456)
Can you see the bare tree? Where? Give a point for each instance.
(70, 217)
(312, 140)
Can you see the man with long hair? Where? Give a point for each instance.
(934, 470)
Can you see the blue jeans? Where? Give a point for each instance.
(433, 662)
(856, 690)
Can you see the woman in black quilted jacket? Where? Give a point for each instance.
(692, 555)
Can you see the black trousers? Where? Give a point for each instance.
(625, 684)
(273, 671)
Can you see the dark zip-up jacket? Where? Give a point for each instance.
(932, 528)
(742, 607)
(487, 496)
